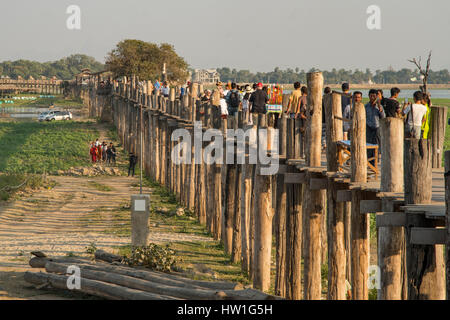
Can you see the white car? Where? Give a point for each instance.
(43, 116)
(55, 115)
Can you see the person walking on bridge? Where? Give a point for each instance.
(165, 90)
(374, 112)
(415, 116)
(233, 100)
(294, 100)
(258, 100)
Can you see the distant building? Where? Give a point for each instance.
(206, 76)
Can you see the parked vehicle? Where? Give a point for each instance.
(43, 116)
(55, 115)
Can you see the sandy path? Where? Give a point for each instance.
(59, 222)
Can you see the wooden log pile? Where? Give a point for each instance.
(107, 278)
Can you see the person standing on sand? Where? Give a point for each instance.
(93, 152)
(99, 151)
(111, 152)
(104, 151)
(132, 163)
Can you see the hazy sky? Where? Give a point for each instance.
(245, 34)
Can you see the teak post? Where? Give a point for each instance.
(391, 240)
(313, 208)
(360, 222)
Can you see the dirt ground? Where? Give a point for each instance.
(75, 214)
(64, 221)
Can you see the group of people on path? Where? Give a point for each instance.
(101, 152)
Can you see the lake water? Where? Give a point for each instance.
(407, 93)
(25, 113)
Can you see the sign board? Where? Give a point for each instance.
(274, 108)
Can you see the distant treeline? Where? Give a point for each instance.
(333, 76)
(65, 68)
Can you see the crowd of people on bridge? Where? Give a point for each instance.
(416, 114)
(253, 98)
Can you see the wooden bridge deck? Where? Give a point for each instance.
(435, 210)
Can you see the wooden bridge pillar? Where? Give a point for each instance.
(281, 211)
(425, 265)
(447, 221)
(263, 218)
(360, 222)
(391, 240)
(313, 208)
(336, 217)
(438, 124)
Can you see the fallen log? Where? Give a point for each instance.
(93, 287)
(246, 294)
(106, 256)
(39, 262)
(218, 285)
(222, 285)
(134, 283)
(159, 277)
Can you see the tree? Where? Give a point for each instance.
(145, 60)
(65, 68)
(424, 72)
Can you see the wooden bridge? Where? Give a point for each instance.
(32, 86)
(318, 210)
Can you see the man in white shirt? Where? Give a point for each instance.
(357, 97)
(415, 115)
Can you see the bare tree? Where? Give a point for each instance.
(423, 72)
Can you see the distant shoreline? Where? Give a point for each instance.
(391, 85)
(363, 86)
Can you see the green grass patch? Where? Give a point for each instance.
(99, 186)
(32, 147)
(10, 184)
